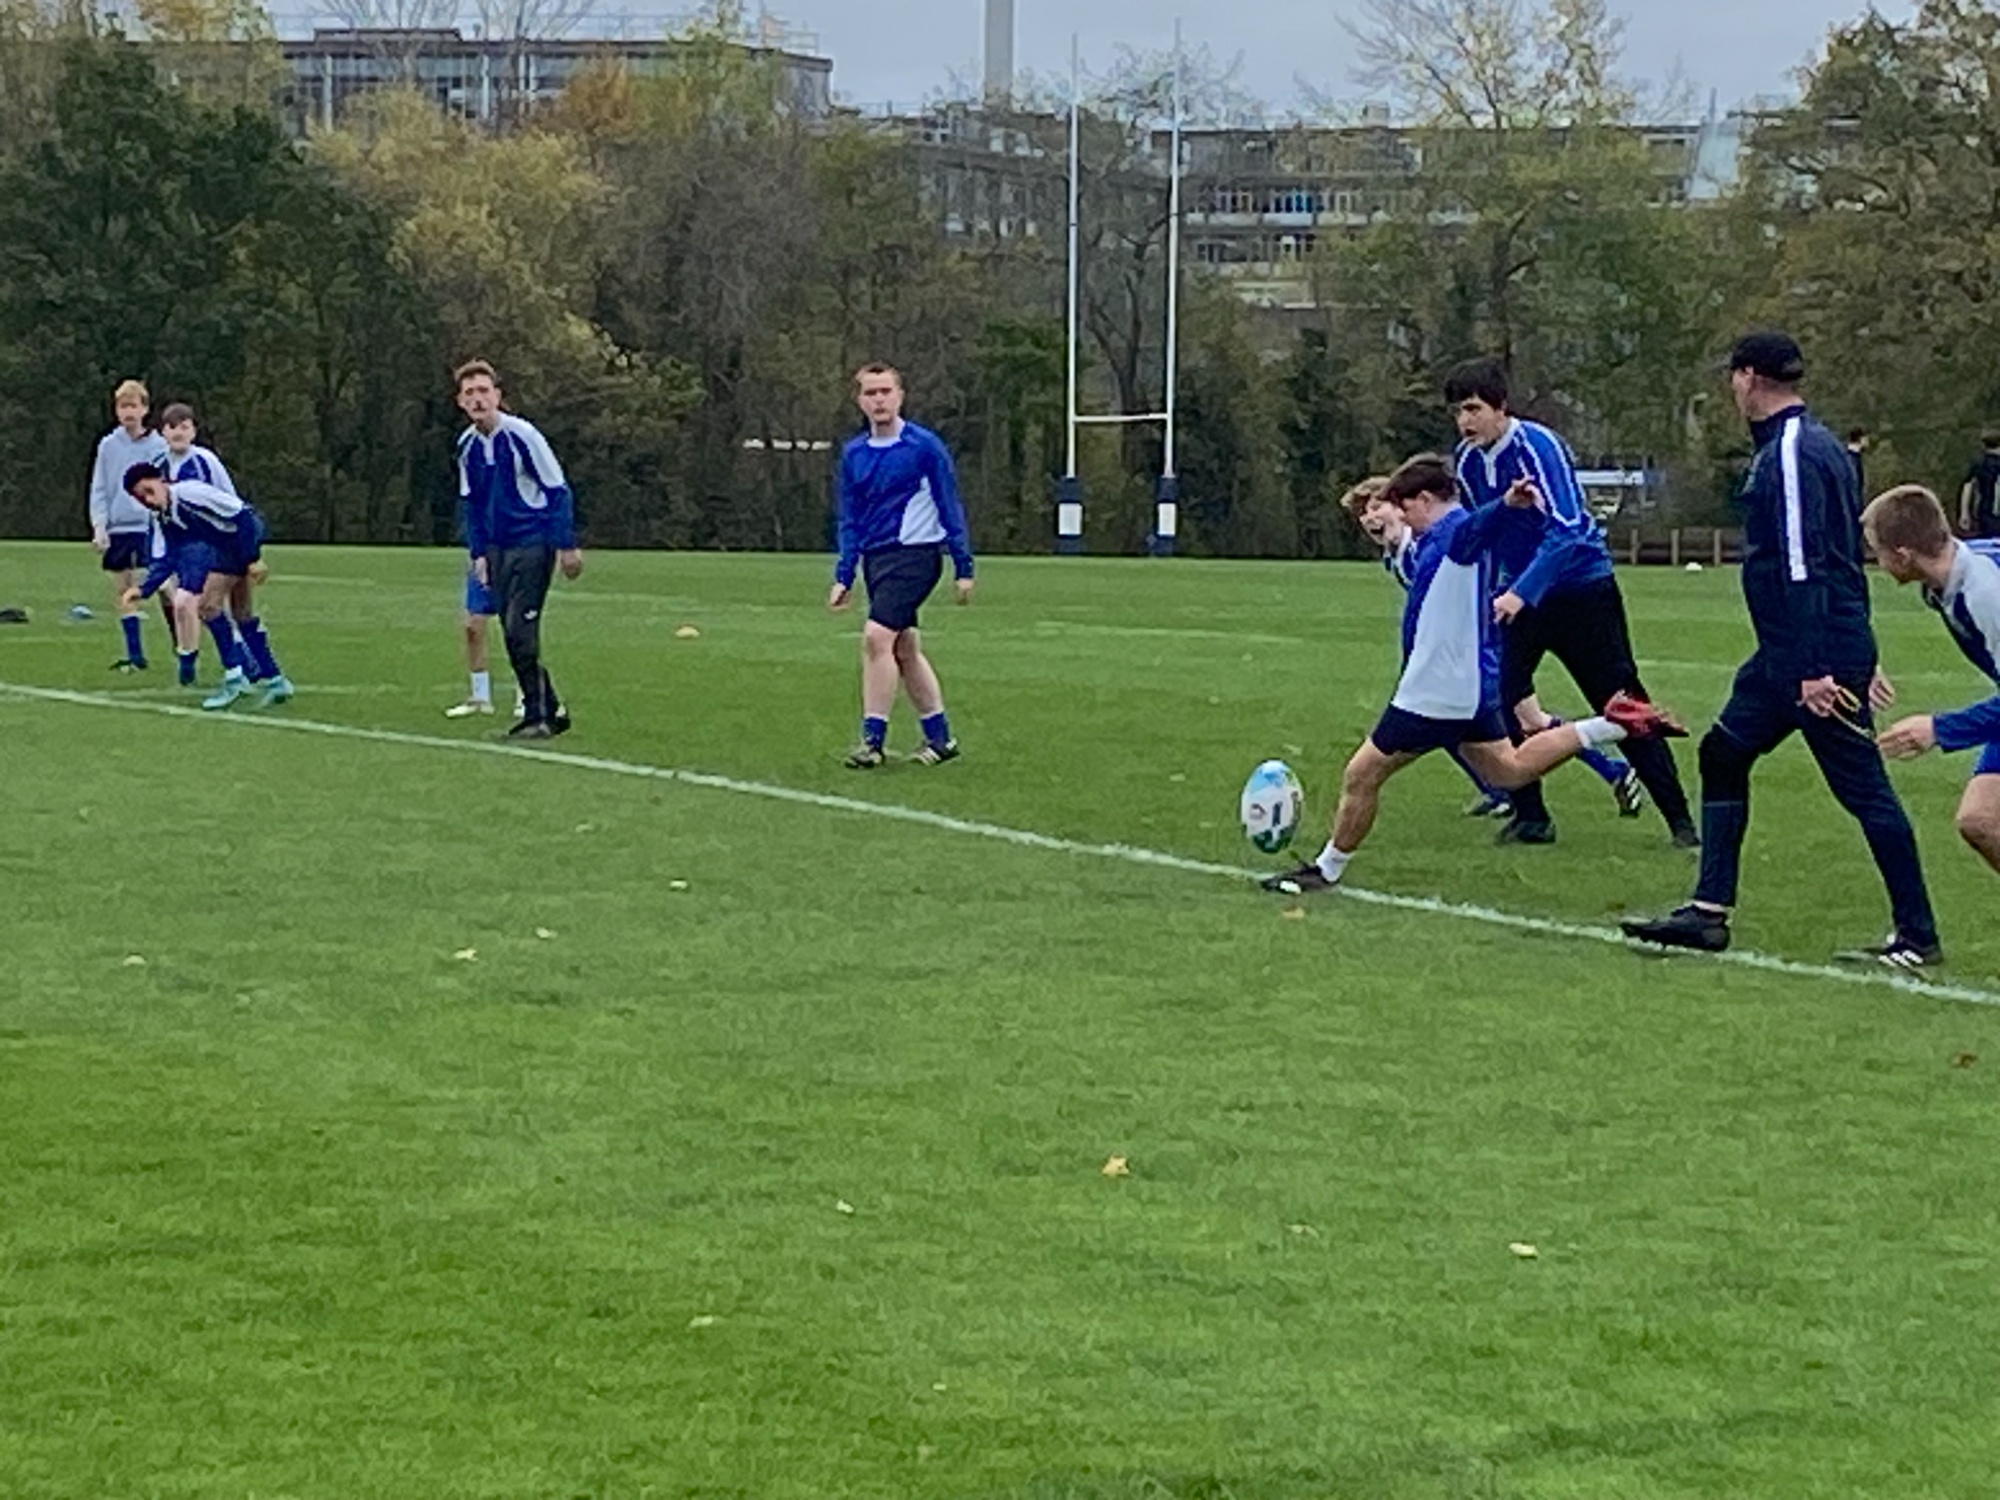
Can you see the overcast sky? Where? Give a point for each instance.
(903, 50)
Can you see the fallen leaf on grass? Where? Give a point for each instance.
(687, 633)
(1524, 1251)
(134, 961)
(1293, 914)
(543, 933)
(1116, 1166)
(586, 828)
(706, 1320)
(677, 885)
(1303, 1229)
(467, 955)
(842, 1206)
(1962, 1060)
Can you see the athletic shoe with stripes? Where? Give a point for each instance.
(866, 758)
(937, 752)
(1897, 952)
(1630, 794)
(1690, 926)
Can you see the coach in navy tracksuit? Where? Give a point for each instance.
(1814, 670)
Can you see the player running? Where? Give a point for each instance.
(1910, 535)
(1814, 671)
(1560, 595)
(1448, 696)
(120, 528)
(1382, 522)
(213, 544)
(899, 513)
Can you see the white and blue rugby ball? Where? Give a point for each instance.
(1273, 801)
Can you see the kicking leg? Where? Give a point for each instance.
(1360, 800)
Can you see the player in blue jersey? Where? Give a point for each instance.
(1559, 597)
(899, 513)
(120, 528)
(520, 527)
(1910, 535)
(1382, 522)
(1449, 693)
(213, 545)
(1814, 672)
(187, 459)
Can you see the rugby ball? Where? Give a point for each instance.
(1272, 803)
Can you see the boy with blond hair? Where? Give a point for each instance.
(120, 528)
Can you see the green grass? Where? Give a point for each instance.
(305, 1206)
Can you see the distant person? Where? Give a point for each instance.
(520, 527)
(1979, 496)
(120, 527)
(187, 459)
(1814, 672)
(1857, 454)
(899, 513)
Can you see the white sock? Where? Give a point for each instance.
(482, 687)
(1595, 734)
(1332, 863)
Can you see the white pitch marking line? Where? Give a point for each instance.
(1126, 853)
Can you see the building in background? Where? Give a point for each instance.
(494, 80)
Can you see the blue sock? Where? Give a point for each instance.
(937, 728)
(135, 649)
(186, 660)
(258, 646)
(874, 731)
(225, 644)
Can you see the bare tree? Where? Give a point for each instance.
(531, 20)
(392, 15)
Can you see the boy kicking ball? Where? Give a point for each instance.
(1448, 696)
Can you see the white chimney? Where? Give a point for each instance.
(999, 51)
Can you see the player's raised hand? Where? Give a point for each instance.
(965, 591)
(1881, 692)
(1523, 495)
(836, 599)
(1909, 738)
(570, 560)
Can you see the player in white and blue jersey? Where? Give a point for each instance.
(899, 513)
(213, 545)
(1560, 596)
(1382, 523)
(187, 459)
(1449, 694)
(120, 528)
(1908, 532)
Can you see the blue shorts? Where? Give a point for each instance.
(1989, 761)
(478, 597)
(244, 548)
(1401, 732)
(129, 551)
(194, 561)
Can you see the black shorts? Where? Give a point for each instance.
(129, 551)
(1583, 628)
(1401, 732)
(899, 580)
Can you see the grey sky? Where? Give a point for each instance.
(902, 50)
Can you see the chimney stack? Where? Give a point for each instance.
(999, 51)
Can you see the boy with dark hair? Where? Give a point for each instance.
(1448, 696)
(1560, 596)
(1979, 496)
(187, 459)
(1814, 672)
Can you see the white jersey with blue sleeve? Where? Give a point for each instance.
(1970, 605)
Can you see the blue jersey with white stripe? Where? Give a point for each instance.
(1451, 645)
(202, 464)
(1563, 550)
(513, 489)
(1802, 551)
(199, 515)
(1970, 605)
(900, 491)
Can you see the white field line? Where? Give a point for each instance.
(1024, 838)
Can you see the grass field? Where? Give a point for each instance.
(757, 1151)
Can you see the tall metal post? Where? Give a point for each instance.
(1166, 509)
(1069, 492)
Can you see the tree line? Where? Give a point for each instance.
(675, 274)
